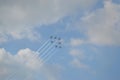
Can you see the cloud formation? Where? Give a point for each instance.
(102, 25)
(19, 17)
(23, 66)
(78, 59)
(76, 42)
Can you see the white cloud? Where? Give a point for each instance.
(102, 25)
(78, 59)
(22, 66)
(3, 38)
(76, 42)
(79, 64)
(77, 54)
(19, 17)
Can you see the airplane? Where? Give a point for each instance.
(56, 46)
(51, 37)
(55, 37)
(59, 42)
(59, 38)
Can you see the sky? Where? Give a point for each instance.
(89, 32)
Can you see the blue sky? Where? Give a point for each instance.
(90, 35)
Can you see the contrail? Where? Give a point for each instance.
(53, 52)
(43, 45)
(41, 49)
(44, 49)
(50, 52)
(47, 50)
(11, 76)
(48, 56)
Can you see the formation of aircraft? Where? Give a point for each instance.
(58, 39)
